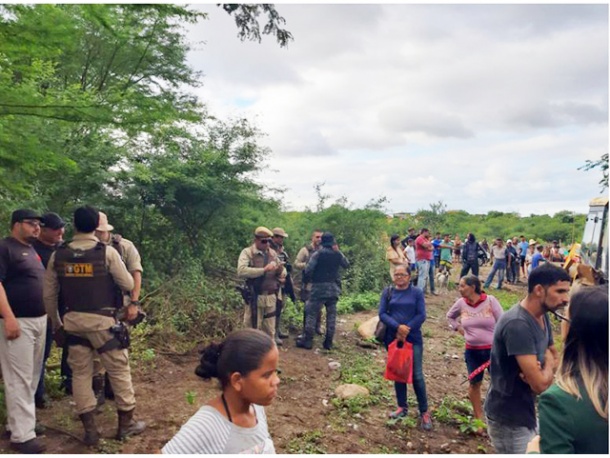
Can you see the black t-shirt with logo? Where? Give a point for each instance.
(21, 275)
(510, 400)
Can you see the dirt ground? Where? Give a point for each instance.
(303, 419)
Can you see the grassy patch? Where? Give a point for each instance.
(309, 443)
(506, 298)
(458, 413)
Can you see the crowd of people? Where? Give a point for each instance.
(516, 347)
(84, 294)
(81, 293)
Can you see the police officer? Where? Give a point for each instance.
(300, 263)
(323, 270)
(90, 278)
(286, 289)
(260, 265)
(131, 257)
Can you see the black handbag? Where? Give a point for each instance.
(381, 328)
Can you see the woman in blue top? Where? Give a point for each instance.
(403, 310)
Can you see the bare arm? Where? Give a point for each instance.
(301, 261)
(538, 378)
(11, 325)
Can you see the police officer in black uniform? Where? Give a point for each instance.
(323, 271)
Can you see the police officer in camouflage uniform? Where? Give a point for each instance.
(90, 278)
(263, 271)
(323, 270)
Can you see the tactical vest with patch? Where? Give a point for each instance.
(268, 283)
(84, 281)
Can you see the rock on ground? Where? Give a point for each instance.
(367, 329)
(350, 390)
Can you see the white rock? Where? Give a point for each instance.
(455, 357)
(325, 402)
(334, 365)
(350, 390)
(367, 329)
(409, 444)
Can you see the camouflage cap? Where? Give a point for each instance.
(279, 231)
(262, 231)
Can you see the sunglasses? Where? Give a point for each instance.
(264, 240)
(34, 223)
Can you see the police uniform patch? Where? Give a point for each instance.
(79, 270)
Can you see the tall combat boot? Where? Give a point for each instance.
(92, 435)
(128, 426)
(278, 333)
(98, 390)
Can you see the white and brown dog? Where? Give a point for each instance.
(442, 280)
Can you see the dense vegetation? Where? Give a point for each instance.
(95, 109)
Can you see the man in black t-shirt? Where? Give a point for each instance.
(524, 360)
(22, 328)
(51, 235)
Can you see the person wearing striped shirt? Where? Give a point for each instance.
(235, 421)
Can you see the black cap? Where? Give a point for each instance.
(328, 239)
(22, 213)
(86, 219)
(52, 221)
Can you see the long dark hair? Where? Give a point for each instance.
(393, 239)
(585, 353)
(242, 351)
(472, 280)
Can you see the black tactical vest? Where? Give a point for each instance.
(84, 281)
(327, 267)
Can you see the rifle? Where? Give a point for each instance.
(289, 289)
(250, 297)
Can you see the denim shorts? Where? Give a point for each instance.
(475, 359)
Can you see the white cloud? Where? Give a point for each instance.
(481, 106)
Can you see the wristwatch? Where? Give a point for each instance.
(135, 302)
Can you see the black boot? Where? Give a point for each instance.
(128, 426)
(98, 390)
(303, 343)
(328, 343)
(108, 391)
(92, 435)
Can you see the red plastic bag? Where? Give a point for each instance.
(399, 367)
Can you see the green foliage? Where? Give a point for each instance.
(456, 412)
(602, 163)
(190, 397)
(408, 422)
(3, 416)
(52, 384)
(354, 405)
(358, 302)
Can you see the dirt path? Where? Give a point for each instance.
(304, 418)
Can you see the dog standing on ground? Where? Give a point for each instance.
(442, 280)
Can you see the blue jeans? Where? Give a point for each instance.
(423, 271)
(419, 384)
(509, 440)
(500, 267)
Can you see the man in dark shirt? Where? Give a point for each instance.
(51, 235)
(22, 328)
(323, 272)
(524, 360)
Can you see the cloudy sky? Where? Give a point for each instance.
(485, 107)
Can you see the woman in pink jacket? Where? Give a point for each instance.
(474, 316)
